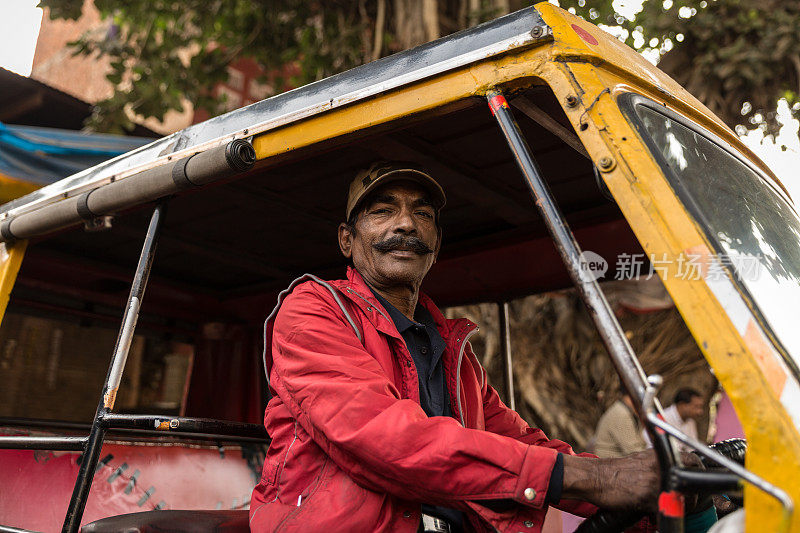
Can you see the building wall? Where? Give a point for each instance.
(81, 76)
(54, 64)
(245, 86)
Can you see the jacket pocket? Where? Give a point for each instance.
(315, 483)
(305, 503)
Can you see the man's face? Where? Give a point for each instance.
(396, 238)
(693, 409)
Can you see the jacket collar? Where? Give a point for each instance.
(400, 320)
(357, 290)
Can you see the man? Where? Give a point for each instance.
(381, 416)
(684, 412)
(686, 408)
(619, 431)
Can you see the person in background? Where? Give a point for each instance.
(619, 431)
(686, 408)
(684, 412)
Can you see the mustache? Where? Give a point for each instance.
(400, 242)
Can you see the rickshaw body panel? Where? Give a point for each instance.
(132, 477)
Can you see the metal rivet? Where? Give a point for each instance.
(572, 101)
(407, 514)
(529, 493)
(528, 523)
(537, 32)
(606, 163)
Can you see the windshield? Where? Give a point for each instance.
(755, 230)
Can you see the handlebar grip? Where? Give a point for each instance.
(734, 449)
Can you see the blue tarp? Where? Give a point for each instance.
(45, 155)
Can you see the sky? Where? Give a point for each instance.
(19, 28)
(20, 21)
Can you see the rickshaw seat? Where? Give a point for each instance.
(233, 521)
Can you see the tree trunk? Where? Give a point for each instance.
(415, 22)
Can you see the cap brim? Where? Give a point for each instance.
(403, 174)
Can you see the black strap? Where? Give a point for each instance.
(179, 177)
(83, 207)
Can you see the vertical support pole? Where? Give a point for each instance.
(505, 346)
(614, 339)
(91, 452)
(622, 355)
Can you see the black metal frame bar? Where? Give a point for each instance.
(187, 425)
(91, 452)
(92, 444)
(147, 425)
(505, 350)
(622, 355)
(28, 442)
(196, 428)
(704, 481)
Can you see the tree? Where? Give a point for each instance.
(736, 56)
(739, 57)
(163, 51)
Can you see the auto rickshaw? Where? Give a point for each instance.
(551, 138)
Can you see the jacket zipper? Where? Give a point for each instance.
(369, 304)
(469, 334)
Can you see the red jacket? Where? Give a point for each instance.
(352, 450)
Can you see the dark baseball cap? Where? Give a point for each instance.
(384, 172)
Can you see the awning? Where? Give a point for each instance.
(41, 156)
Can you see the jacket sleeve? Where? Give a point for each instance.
(504, 421)
(342, 397)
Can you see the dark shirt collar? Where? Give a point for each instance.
(401, 321)
(424, 322)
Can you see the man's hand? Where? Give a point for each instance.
(630, 482)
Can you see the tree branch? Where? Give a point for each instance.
(380, 22)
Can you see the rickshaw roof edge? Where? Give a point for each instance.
(574, 37)
(514, 31)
